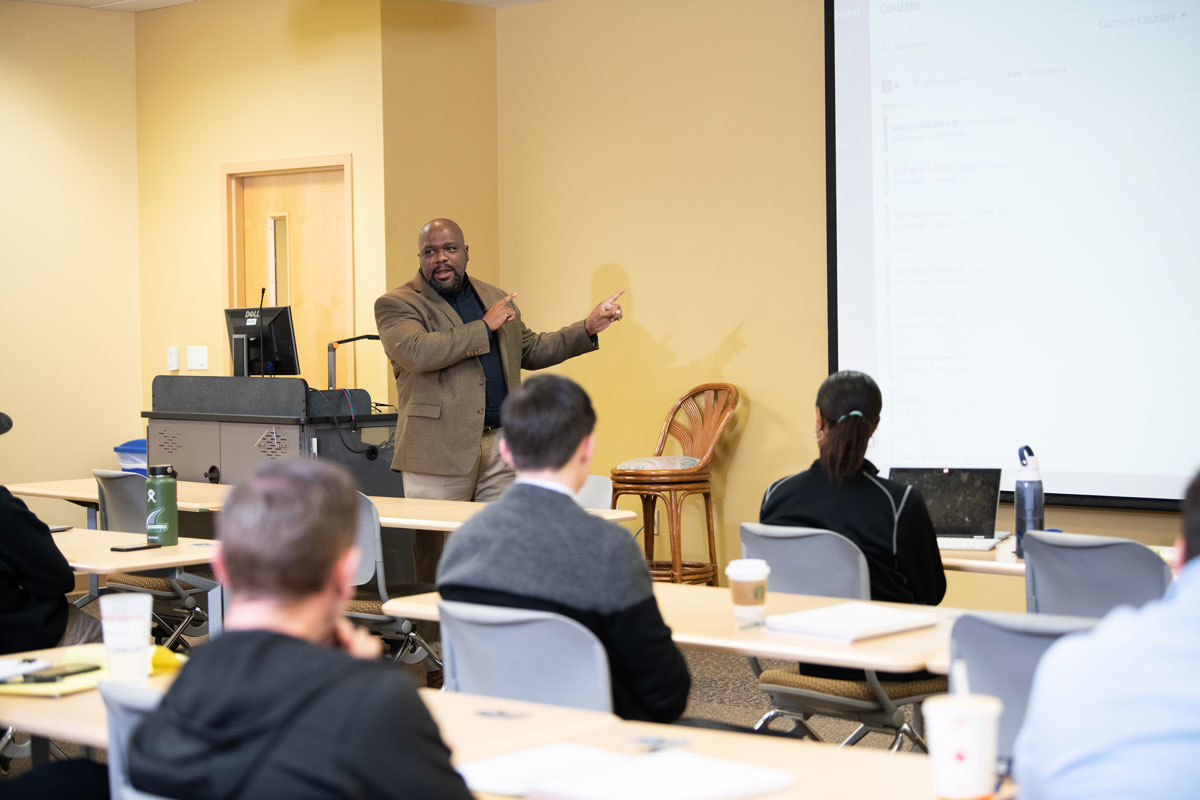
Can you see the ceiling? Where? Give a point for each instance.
(113, 5)
(146, 5)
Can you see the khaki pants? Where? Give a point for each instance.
(486, 482)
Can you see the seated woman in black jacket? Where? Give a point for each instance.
(842, 492)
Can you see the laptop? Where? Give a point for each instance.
(962, 502)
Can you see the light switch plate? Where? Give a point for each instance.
(197, 356)
(172, 359)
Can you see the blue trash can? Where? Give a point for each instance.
(132, 456)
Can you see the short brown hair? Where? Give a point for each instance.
(283, 529)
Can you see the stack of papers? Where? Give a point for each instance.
(849, 622)
(566, 771)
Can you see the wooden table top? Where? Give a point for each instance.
(1000, 560)
(91, 552)
(394, 512)
(478, 727)
(702, 616)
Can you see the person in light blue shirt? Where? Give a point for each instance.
(1115, 712)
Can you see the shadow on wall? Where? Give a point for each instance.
(314, 22)
(659, 379)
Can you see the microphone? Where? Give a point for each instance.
(261, 298)
(5, 423)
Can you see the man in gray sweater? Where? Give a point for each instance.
(538, 548)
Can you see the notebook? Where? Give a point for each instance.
(850, 622)
(962, 502)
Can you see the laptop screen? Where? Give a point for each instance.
(961, 502)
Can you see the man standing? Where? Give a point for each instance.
(457, 347)
(1115, 712)
(537, 548)
(291, 701)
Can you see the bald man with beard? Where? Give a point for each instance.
(457, 345)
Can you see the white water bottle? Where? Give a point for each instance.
(1028, 497)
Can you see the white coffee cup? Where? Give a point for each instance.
(961, 730)
(125, 618)
(748, 587)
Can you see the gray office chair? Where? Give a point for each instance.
(821, 562)
(596, 492)
(127, 707)
(374, 587)
(1001, 652)
(523, 654)
(177, 595)
(1088, 576)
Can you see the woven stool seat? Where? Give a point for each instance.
(898, 691)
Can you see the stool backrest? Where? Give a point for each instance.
(697, 420)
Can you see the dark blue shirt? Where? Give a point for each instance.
(470, 308)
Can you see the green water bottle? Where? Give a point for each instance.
(162, 514)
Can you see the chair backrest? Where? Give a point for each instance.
(523, 654)
(1001, 653)
(697, 420)
(127, 707)
(808, 560)
(122, 500)
(596, 492)
(1088, 576)
(368, 538)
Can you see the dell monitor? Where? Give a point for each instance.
(262, 341)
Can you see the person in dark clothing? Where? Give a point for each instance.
(843, 492)
(537, 548)
(292, 701)
(34, 582)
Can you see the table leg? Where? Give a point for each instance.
(91, 516)
(93, 591)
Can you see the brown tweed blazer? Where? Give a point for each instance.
(439, 381)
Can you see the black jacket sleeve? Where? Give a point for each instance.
(28, 554)
(650, 677)
(917, 553)
(396, 749)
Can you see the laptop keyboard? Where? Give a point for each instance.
(966, 543)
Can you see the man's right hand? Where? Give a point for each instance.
(500, 312)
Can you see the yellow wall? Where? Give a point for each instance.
(231, 81)
(70, 324)
(674, 149)
(439, 129)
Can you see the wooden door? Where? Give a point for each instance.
(293, 229)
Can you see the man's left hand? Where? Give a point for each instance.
(603, 315)
(356, 641)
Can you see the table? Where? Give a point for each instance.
(90, 552)
(394, 512)
(702, 616)
(1000, 560)
(479, 727)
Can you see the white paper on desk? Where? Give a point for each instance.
(514, 773)
(12, 667)
(849, 622)
(665, 775)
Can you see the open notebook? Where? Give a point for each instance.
(567, 771)
(849, 622)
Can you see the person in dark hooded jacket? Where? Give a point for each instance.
(291, 701)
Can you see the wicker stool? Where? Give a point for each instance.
(695, 422)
